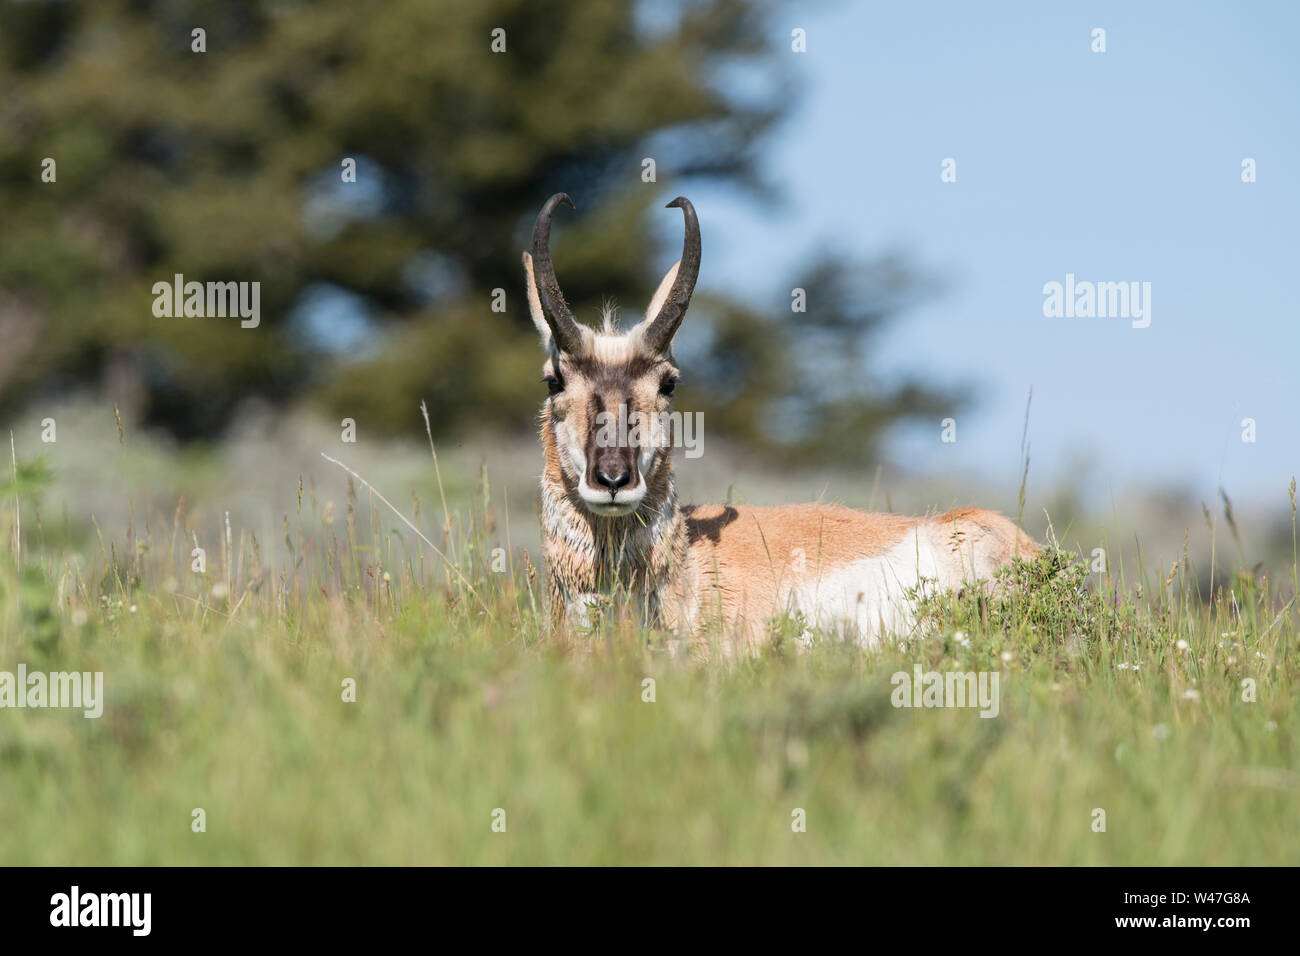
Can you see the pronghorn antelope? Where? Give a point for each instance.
(612, 525)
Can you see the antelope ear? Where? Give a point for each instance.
(660, 296)
(535, 304)
(661, 293)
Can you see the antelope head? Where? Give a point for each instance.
(610, 391)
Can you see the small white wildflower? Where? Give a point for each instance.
(1271, 726)
(1191, 694)
(133, 608)
(1182, 645)
(219, 590)
(1160, 731)
(1007, 656)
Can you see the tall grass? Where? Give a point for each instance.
(1121, 691)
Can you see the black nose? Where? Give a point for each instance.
(613, 484)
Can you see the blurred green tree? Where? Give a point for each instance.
(225, 165)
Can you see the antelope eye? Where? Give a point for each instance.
(667, 387)
(553, 384)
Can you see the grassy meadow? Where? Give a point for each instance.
(224, 690)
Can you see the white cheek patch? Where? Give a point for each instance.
(658, 438)
(573, 454)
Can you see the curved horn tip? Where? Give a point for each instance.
(562, 198)
(681, 202)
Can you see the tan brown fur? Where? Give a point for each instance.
(745, 561)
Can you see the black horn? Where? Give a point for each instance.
(661, 330)
(564, 328)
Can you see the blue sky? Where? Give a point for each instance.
(1115, 166)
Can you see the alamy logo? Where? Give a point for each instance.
(953, 689)
(1098, 300)
(55, 689)
(639, 430)
(103, 909)
(213, 300)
